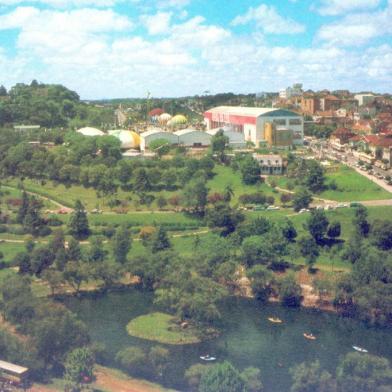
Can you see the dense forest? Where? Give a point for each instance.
(50, 106)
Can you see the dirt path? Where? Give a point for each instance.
(62, 206)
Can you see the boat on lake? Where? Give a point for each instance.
(275, 320)
(207, 358)
(360, 349)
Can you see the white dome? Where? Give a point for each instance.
(88, 131)
(128, 139)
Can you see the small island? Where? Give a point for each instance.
(162, 328)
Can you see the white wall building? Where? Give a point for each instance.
(251, 121)
(193, 138)
(154, 134)
(236, 139)
(364, 99)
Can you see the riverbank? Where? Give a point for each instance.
(107, 380)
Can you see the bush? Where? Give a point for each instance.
(290, 291)
(17, 230)
(44, 231)
(109, 231)
(253, 198)
(54, 221)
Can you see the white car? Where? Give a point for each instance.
(303, 210)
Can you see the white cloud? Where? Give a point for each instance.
(268, 19)
(63, 3)
(357, 29)
(337, 7)
(158, 23)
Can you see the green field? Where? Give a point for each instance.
(159, 327)
(227, 176)
(68, 195)
(351, 186)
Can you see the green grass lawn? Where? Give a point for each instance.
(227, 176)
(10, 250)
(351, 186)
(159, 327)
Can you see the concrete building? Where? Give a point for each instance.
(270, 164)
(193, 138)
(277, 136)
(154, 134)
(289, 92)
(364, 99)
(236, 139)
(251, 121)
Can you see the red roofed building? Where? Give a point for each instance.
(377, 148)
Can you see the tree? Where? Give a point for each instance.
(288, 230)
(353, 249)
(79, 368)
(285, 198)
(222, 377)
(97, 252)
(54, 278)
(262, 282)
(363, 373)
(250, 170)
(56, 331)
(222, 215)
(301, 199)
(141, 180)
(334, 230)
(18, 302)
(3, 91)
(158, 356)
(160, 146)
(228, 193)
(290, 291)
(194, 374)
(315, 178)
(317, 224)
(195, 195)
(23, 209)
(360, 221)
(74, 252)
(121, 244)
(309, 250)
(382, 234)
(218, 145)
(159, 240)
(78, 222)
(75, 273)
(252, 379)
(134, 359)
(309, 377)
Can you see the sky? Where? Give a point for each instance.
(127, 48)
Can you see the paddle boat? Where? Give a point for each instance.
(309, 336)
(360, 349)
(207, 358)
(275, 320)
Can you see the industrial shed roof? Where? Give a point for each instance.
(252, 112)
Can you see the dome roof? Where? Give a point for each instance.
(88, 131)
(114, 132)
(164, 118)
(176, 120)
(128, 139)
(156, 112)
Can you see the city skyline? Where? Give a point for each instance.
(115, 48)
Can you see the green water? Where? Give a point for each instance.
(247, 339)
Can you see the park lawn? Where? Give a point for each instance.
(353, 186)
(159, 327)
(10, 250)
(225, 176)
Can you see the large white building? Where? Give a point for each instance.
(154, 134)
(193, 138)
(364, 99)
(251, 122)
(236, 139)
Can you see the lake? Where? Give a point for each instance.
(247, 339)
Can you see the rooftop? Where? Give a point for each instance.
(242, 110)
(12, 368)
